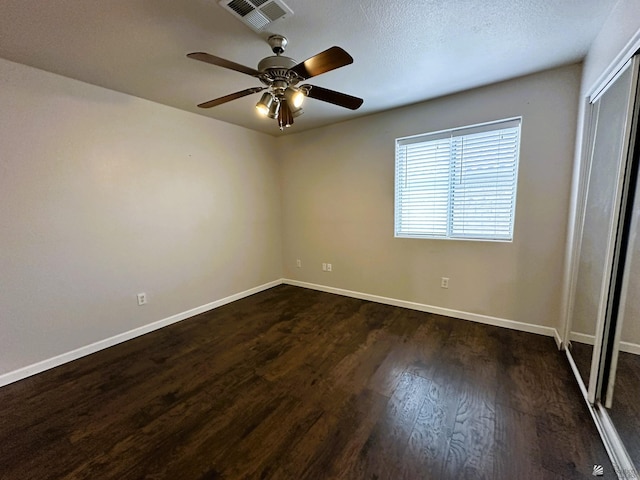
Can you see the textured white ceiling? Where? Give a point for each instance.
(405, 51)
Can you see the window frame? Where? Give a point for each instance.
(458, 132)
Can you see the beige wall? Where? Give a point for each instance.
(338, 187)
(103, 195)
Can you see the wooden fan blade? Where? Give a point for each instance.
(231, 96)
(331, 96)
(221, 62)
(330, 59)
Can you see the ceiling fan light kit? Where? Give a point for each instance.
(265, 104)
(281, 75)
(295, 96)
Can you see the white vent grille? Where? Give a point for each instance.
(257, 14)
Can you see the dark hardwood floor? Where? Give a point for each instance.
(297, 384)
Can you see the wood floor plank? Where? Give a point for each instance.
(471, 447)
(428, 343)
(330, 446)
(560, 453)
(429, 441)
(532, 390)
(515, 454)
(382, 454)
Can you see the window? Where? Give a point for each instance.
(458, 183)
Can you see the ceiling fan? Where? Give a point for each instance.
(281, 75)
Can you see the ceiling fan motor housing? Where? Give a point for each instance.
(276, 62)
(275, 71)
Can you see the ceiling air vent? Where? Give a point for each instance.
(257, 14)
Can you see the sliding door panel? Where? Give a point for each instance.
(599, 227)
(625, 375)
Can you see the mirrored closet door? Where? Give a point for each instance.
(604, 338)
(622, 397)
(603, 182)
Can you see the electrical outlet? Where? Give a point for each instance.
(329, 267)
(444, 282)
(142, 299)
(299, 263)
(324, 267)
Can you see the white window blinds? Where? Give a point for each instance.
(458, 183)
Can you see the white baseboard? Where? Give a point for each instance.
(38, 367)
(556, 337)
(627, 347)
(630, 348)
(474, 317)
(582, 338)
